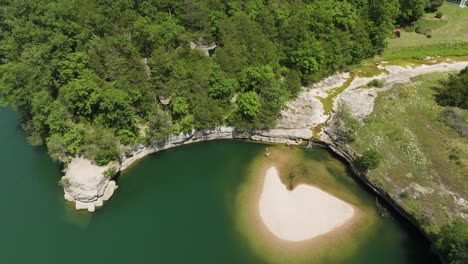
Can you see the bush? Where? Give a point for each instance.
(64, 182)
(3, 101)
(186, 123)
(103, 157)
(410, 28)
(179, 106)
(57, 148)
(376, 83)
(159, 126)
(126, 137)
(101, 145)
(423, 30)
(456, 119)
(249, 104)
(370, 159)
(454, 91)
(452, 242)
(109, 173)
(345, 125)
(433, 5)
(439, 14)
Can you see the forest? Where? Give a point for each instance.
(91, 76)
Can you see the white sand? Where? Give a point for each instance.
(301, 214)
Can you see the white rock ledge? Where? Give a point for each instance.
(88, 187)
(276, 135)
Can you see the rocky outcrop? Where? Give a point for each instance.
(207, 49)
(360, 99)
(86, 184)
(292, 136)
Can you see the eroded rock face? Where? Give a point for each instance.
(276, 135)
(88, 187)
(85, 183)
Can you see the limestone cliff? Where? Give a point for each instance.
(88, 187)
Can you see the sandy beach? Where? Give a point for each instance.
(300, 214)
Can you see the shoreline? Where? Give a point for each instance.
(269, 246)
(95, 198)
(348, 156)
(296, 122)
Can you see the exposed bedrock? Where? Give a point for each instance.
(86, 185)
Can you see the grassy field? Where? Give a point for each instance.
(449, 36)
(424, 161)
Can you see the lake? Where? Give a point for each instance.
(182, 205)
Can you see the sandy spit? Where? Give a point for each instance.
(301, 214)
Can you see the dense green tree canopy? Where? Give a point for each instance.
(88, 75)
(411, 10)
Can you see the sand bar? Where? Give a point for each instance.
(300, 214)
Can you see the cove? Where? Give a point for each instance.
(183, 205)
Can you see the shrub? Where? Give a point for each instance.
(109, 173)
(346, 126)
(126, 137)
(370, 159)
(249, 104)
(410, 28)
(3, 101)
(433, 5)
(57, 148)
(452, 242)
(179, 106)
(376, 83)
(101, 145)
(423, 30)
(454, 91)
(186, 123)
(73, 139)
(159, 126)
(64, 182)
(404, 194)
(456, 119)
(439, 14)
(103, 157)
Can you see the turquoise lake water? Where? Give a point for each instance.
(175, 206)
